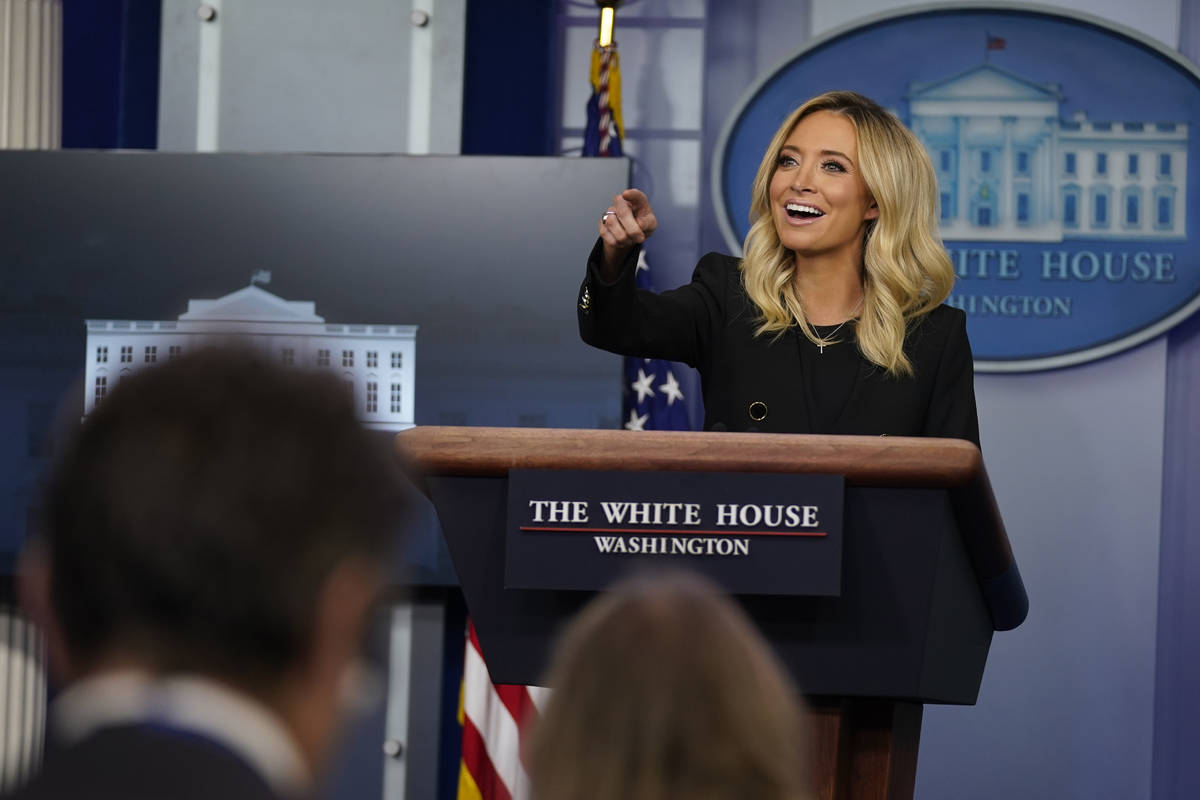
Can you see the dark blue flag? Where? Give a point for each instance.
(653, 399)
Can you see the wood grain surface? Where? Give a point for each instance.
(863, 460)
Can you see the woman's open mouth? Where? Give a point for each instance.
(802, 212)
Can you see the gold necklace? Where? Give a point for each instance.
(825, 339)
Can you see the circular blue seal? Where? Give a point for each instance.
(1062, 146)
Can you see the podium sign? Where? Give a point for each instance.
(751, 533)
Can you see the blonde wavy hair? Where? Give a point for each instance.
(906, 271)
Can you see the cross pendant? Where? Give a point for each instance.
(821, 348)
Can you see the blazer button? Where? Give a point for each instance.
(758, 411)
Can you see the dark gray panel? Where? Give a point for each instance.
(484, 254)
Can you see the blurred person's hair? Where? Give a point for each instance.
(663, 689)
(194, 515)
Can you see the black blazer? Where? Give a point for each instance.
(709, 324)
(144, 762)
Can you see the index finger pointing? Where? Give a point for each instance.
(636, 198)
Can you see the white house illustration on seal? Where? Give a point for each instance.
(377, 362)
(1010, 168)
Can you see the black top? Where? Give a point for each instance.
(145, 762)
(782, 384)
(828, 372)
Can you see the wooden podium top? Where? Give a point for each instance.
(863, 460)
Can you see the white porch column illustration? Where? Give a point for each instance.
(964, 209)
(1006, 204)
(1048, 173)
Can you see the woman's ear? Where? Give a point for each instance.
(872, 210)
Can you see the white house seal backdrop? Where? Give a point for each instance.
(1062, 147)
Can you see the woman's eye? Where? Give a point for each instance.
(833, 166)
(785, 161)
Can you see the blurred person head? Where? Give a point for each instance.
(663, 689)
(218, 515)
(904, 268)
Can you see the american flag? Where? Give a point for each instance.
(653, 399)
(493, 717)
(604, 131)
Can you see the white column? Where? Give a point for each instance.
(435, 76)
(964, 208)
(22, 699)
(30, 74)
(208, 78)
(1006, 204)
(1049, 174)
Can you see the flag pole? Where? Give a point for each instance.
(606, 86)
(608, 19)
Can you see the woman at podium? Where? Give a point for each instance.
(833, 320)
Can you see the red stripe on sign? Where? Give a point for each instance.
(475, 757)
(675, 532)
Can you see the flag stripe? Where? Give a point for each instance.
(481, 772)
(539, 696)
(485, 708)
(515, 697)
(516, 700)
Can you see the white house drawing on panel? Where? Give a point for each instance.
(377, 362)
(1010, 168)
